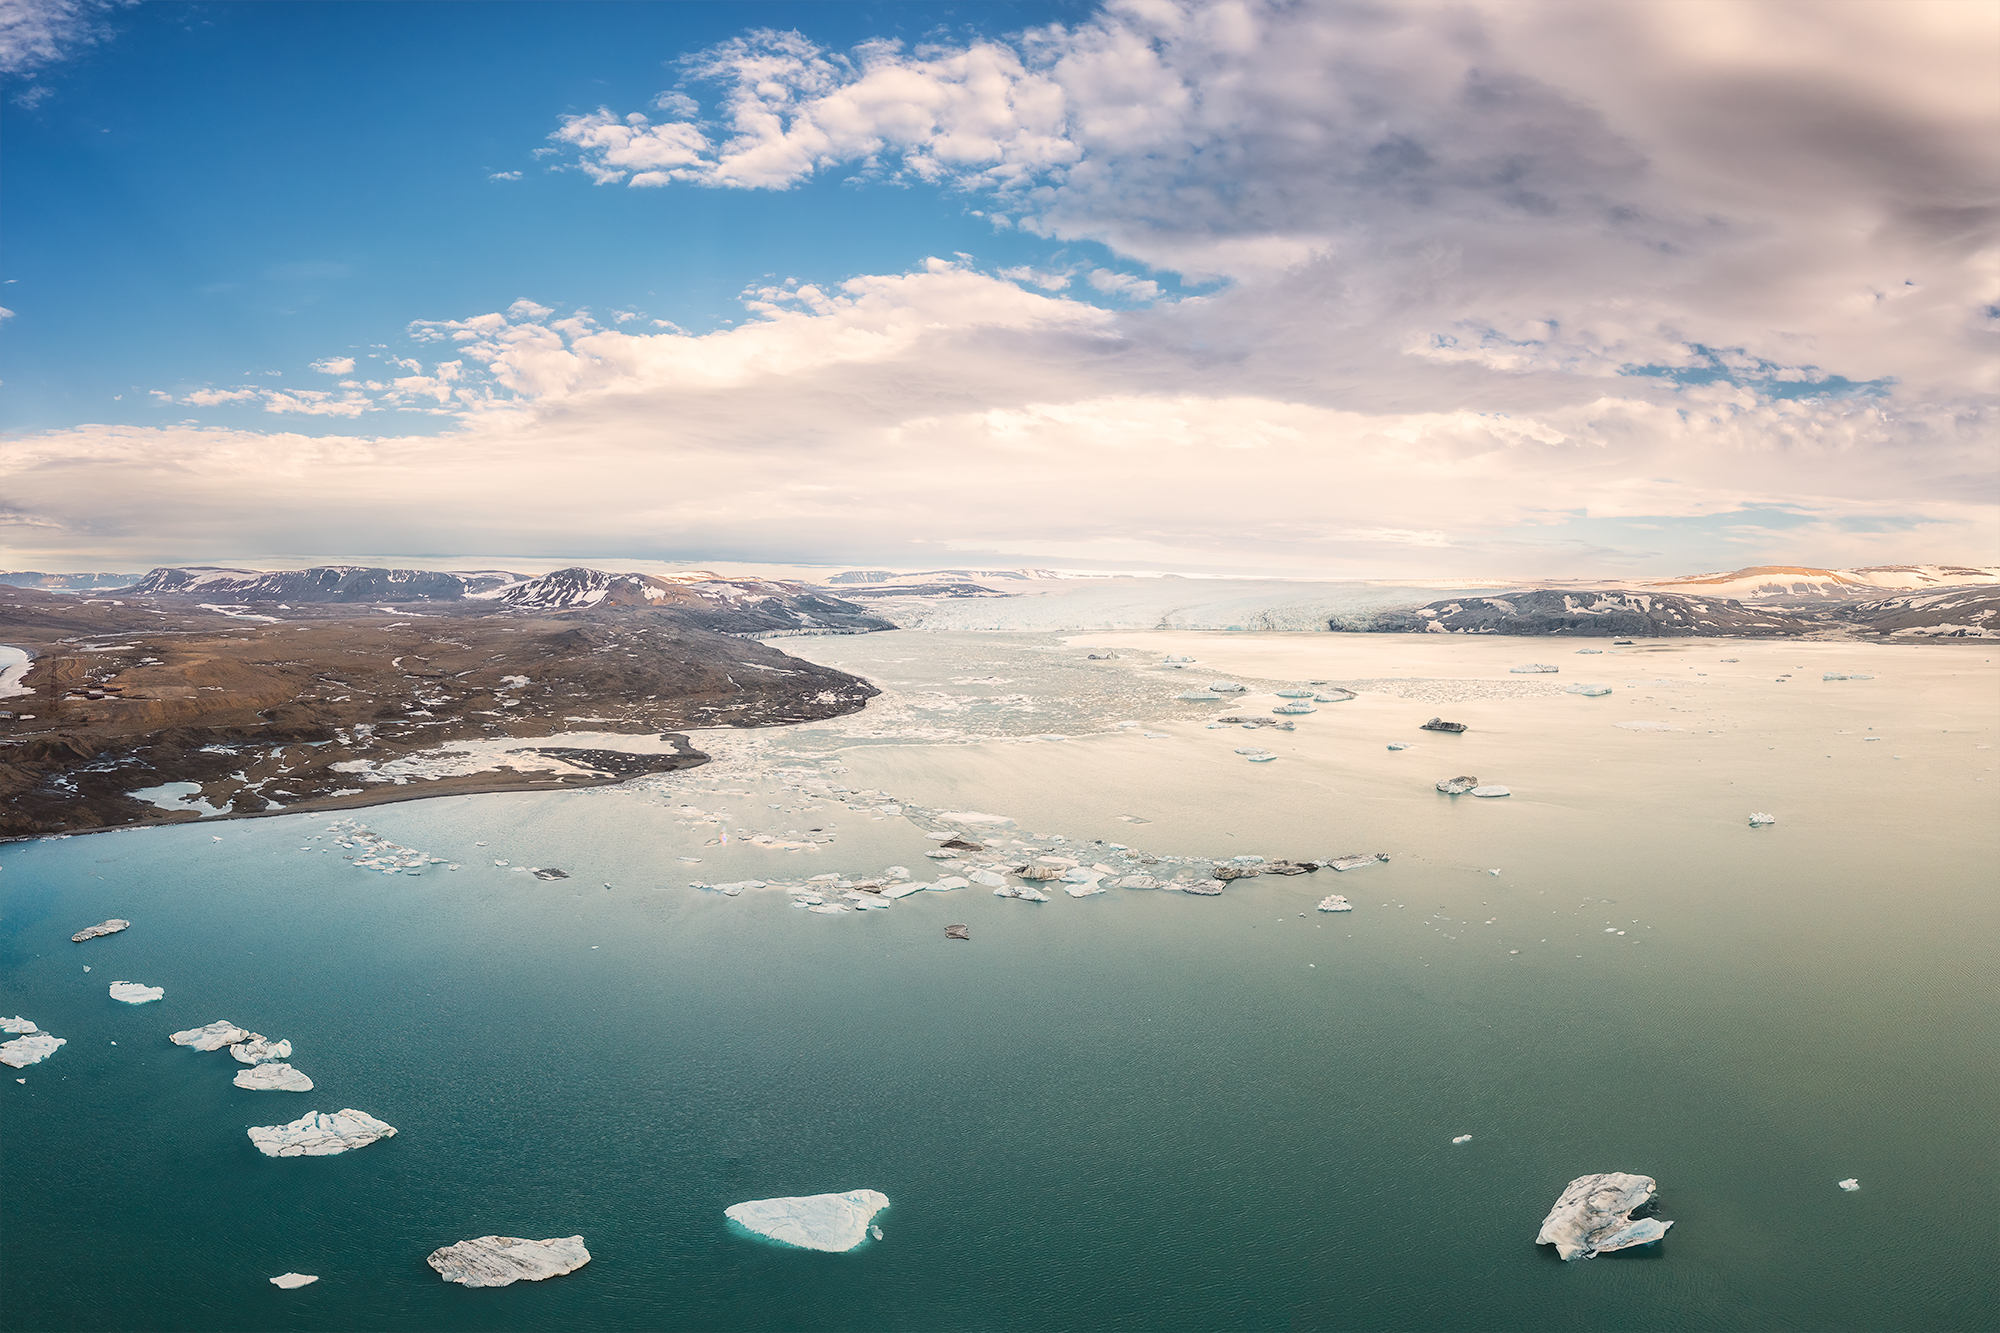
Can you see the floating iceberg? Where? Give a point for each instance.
(1137, 882)
(293, 1281)
(974, 817)
(905, 890)
(1593, 1216)
(214, 1037)
(1589, 652)
(111, 927)
(1457, 786)
(256, 1048)
(1295, 708)
(1837, 675)
(274, 1077)
(1225, 687)
(499, 1261)
(1333, 902)
(316, 1134)
(18, 1024)
(1293, 694)
(1087, 889)
(1492, 789)
(1439, 724)
(1535, 669)
(1027, 893)
(1398, 745)
(1463, 1138)
(831, 1222)
(32, 1049)
(1207, 888)
(1588, 691)
(1850, 1184)
(133, 992)
(986, 879)
(1355, 861)
(948, 883)
(958, 932)
(1760, 819)
(1334, 696)
(1198, 696)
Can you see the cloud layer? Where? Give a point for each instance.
(1485, 279)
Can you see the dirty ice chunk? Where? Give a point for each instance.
(111, 927)
(500, 1261)
(831, 1222)
(133, 992)
(1594, 1216)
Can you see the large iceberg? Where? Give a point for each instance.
(1594, 1216)
(27, 1050)
(214, 1037)
(499, 1261)
(274, 1077)
(316, 1134)
(833, 1222)
(133, 992)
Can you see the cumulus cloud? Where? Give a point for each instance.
(334, 365)
(1491, 280)
(37, 33)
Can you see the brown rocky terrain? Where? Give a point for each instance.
(300, 708)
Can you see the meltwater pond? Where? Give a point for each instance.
(1140, 1109)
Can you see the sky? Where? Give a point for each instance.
(1499, 288)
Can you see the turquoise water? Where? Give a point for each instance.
(1139, 1110)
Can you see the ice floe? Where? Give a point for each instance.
(1850, 1184)
(316, 1134)
(1594, 1216)
(1457, 786)
(958, 932)
(1463, 1138)
(499, 1261)
(1588, 691)
(1356, 861)
(293, 1281)
(1334, 902)
(111, 927)
(32, 1048)
(214, 1037)
(1534, 669)
(1492, 789)
(1758, 819)
(256, 1049)
(274, 1077)
(134, 992)
(831, 1222)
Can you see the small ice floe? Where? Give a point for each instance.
(1293, 694)
(1089, 888)
(1758, 819)
(548, 872)
(1492, 789)
(1334, 696)
(316, 1134)
(1586, 652)
(1155, 735)
(1355, 860)
(214, 1037)
(1493, 872)
(958, 932)
(111, 927)
(875, 1232)
(1588, 691)
(500, 1261)
(1295, 708)
(1594, 1216)
(1839, 675)
(274, 1077)
(1333, 902)
(1534, 669)
(293, 1281)
(830, 1222)
(1397, 745)
(1136, 882)
(1225, 687)
(1457, 786)
(31, 1048)
(950, 882)
(1171, 660)
(1205, 888)
(1439, 724)
(257, 1049)
(134, 992)
(1463, 1138)
(986, 879)
(1027, 893)
(1850, 1184)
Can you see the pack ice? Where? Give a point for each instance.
(832, 1222)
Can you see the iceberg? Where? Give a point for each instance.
(831, 1222)
(1534, 669)
(1850, 1184)
(1588, 691)
(1335, 696)
(950, 882)
(1225, 687)
(905, 890)
(1333, 902)
(1355, 862)
(274, 1077)
(1294, 694)
(1439, 724)
(1457, 786)
(214, 1037)
(1492, 789)
(293, 1281)
(255, 1049)
(1295, 708)
(1137, 882)
(1084, 890)
(499, 1261)
(18, 1024)
(958, 932)
(1206, 888)
(111, 927)
(986, 879)
(1198, 696)
(133, 992)
(1463, 1138)
(1593, 1216)
(29, 1050)
(316, 1134)
(1760, 819)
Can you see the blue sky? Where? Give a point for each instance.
(1229, 287)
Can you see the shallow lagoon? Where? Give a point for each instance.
(1135, 1110)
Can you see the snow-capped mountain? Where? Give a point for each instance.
(1959, 613)
(1805, 581)
(1560, 611)
(701, 599)
(321, 583)
(881, 576)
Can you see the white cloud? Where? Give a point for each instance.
(504, 176)
(334, 365)
(37, 33)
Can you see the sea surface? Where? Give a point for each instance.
(1137, 1110)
